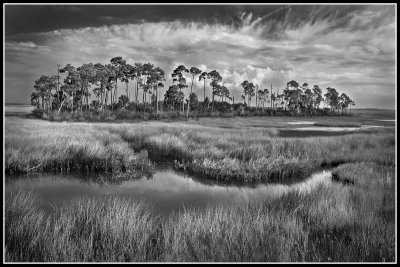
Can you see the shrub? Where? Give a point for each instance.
(123, 114)
(37, 112)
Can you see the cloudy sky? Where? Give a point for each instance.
(348, 47)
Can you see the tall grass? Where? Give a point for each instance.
(373, 184)
(67, 147)
(223, 154)
(85, 230)
(332, 223)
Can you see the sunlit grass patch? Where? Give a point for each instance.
(365, 174)
(66, 147)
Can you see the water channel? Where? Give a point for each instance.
(166, 191)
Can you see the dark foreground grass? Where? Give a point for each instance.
(244, 155)
(334, 222)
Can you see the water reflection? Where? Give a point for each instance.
(167, 190)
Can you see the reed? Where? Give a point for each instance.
(85, 230)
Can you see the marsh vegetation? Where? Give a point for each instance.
(349, 218)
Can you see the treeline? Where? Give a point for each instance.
(68, 92)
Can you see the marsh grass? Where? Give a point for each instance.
(331, 223)
(374, 184)
(351, 219)
(67, 147)
(247, 155)
(85, 230)
(364, 174)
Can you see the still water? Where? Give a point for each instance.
(166, 191)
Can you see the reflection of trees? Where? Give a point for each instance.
(119, 178)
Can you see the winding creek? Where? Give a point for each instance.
(169, 190)
(166, 191)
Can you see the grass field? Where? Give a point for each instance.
(338, 223)
(352, 219)
(254, 154)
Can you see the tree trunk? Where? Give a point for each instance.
(87, 98)
(160, 93)
(116, 91)
(81, 104)
(106, 99)
(58, 85)
(157, 100)
(256, 96)
(72, 103)
(127, 88)
(187, 113)
(50, 105)
(183, 103)
(137, 91)
(60, 106)
(187, 109)
(204, 90)
(111, 99)
(212, 102)
(102, 99)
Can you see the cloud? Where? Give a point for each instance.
(25, 46)
(336, 49)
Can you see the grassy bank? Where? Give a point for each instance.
(334, 222)
(33, 146)
(255, 154)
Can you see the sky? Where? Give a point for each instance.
(349, 47)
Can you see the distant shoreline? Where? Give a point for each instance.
(17, 104)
